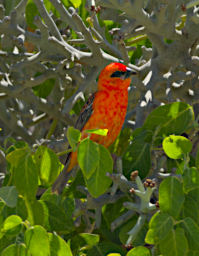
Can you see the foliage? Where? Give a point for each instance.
(140, 196)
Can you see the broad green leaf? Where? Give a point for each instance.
(14, 250)
(24, 172)
(21, 209)
(84, 241)
(69, 206)
(171, 196)
(43, 90)
(139, 251)
(57, 219)
(190, 208)
(48, 165)
(197, 159)
(76, 3)
(192, 253)
(90, 239)
(88, 157)
(16, 145)
(8, 195)
(102, 132)
(173, 118)
(50, 8)
(2, 207)
(58, 246)
(176, 147)
(190, 179)
(73, 136)
(159, 226)
(174, 244)
(98, 183)
(9, 5)
(37, 241)
(15, 155)
(12, 226)
(122, 142)
(192, 232)
(31, 12)
(39, 212)
(50, 197)
(194, 194)
(138, 155)
(5, 241)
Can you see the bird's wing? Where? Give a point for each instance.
(85, 113)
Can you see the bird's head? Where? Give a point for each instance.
(115, 76)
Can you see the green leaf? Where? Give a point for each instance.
(44, 89)
(9, 5)
(190, 179)
(76, 3)
(38, 212)
(190, 208)
(88, 157)
(193, 253)
(50, 8)
(176, 147)
(8, 195)
(15, 250)
(58, 247)
(12, 226)
(84, 241)
(50, 197)
(37, 241)
(139, 251)
(171, 196)
(24, 172)
(73, 136)
(138, 155)
(98, 183)
(69, 206)
(197, 159)
(48, 164)
(192, 232)
(159, 226)
(15, 155)
(102, 132)
(90, 239)
(174, 244)
(57, 219)
(173, 118)
(30, 13)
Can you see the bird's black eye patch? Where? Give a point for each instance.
(118, 74)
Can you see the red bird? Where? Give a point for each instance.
(105, 109)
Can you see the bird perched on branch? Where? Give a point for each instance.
(105, 109)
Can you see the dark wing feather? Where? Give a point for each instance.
(85, 113)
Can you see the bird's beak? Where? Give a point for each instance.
(130, 72)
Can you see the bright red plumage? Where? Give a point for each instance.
(106, 109)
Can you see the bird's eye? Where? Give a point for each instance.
(118, 74)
